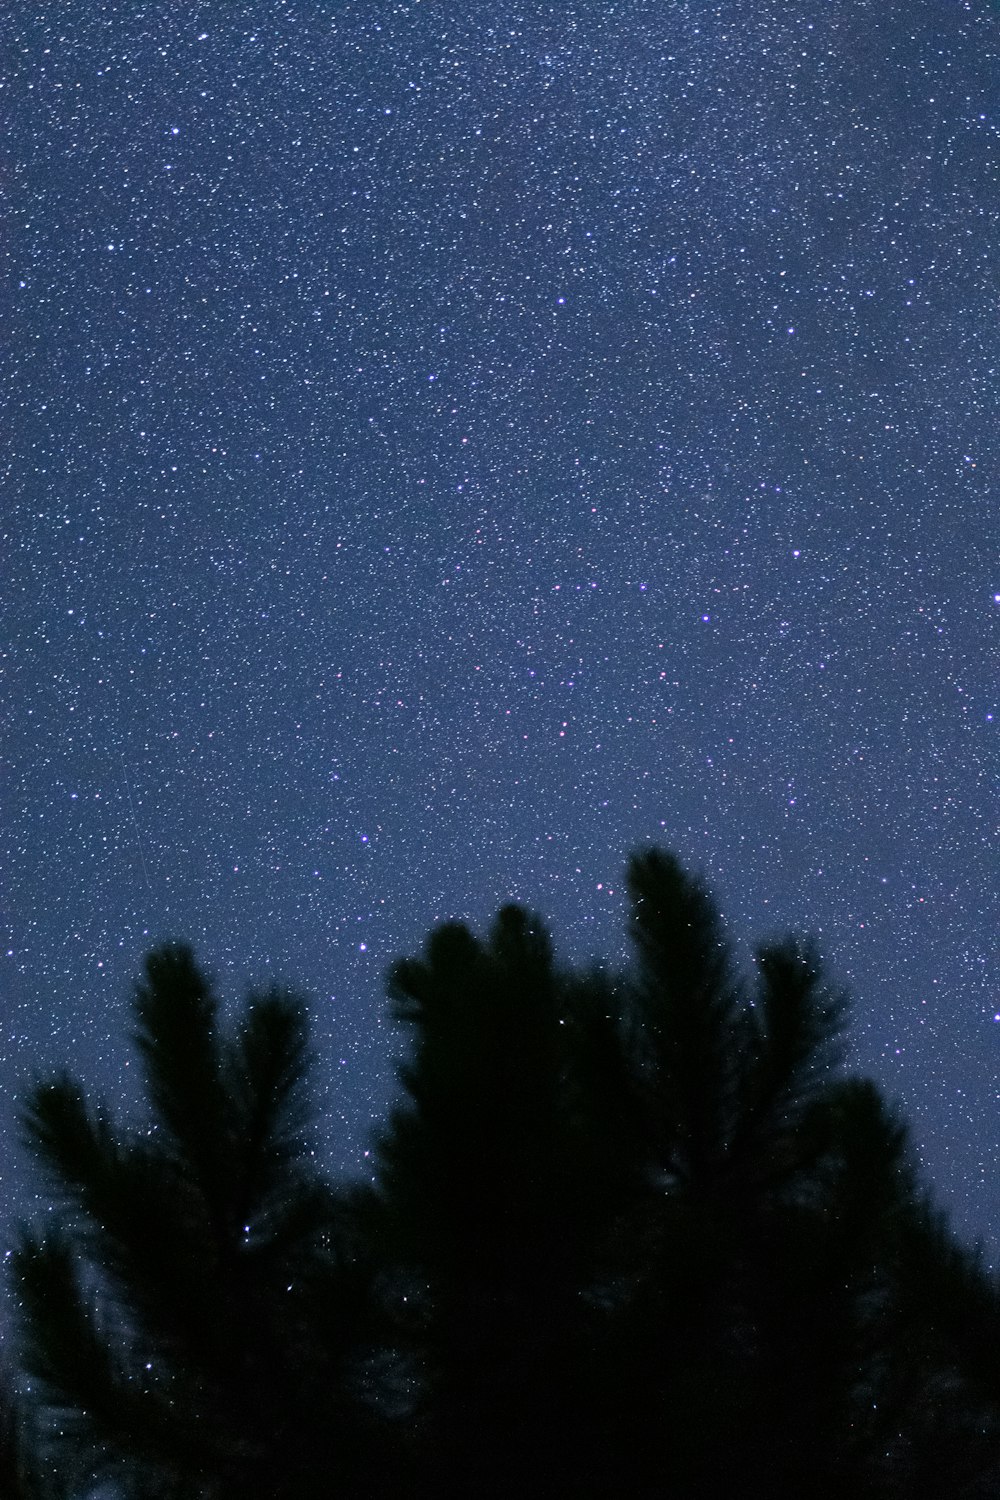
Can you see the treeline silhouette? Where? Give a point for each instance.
(627, 1235)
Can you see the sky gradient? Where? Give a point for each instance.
(450, 446)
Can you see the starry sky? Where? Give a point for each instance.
(448, 446)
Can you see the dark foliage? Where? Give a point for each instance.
(631, 1234)
(190, 1321)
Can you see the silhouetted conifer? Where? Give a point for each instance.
(648, 1238)
(495, 1186)
(630, 1234)
(189, 1324)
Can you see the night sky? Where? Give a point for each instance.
(451, 445)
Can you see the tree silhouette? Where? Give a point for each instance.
(653, 1237)
(189, 1321)
(494, 1188)
(795, 1311)
(630, 1234)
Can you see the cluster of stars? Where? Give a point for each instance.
(451, 450)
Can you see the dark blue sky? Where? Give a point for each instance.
(449, 446)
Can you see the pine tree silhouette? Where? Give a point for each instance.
(630, 1234)
(188, 1320)
(789, 1265)
(496, 1186)
(648, 1237)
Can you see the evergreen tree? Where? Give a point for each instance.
(190, 1323)
(630, 1234)
(494, 1188)
(649, 1238)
